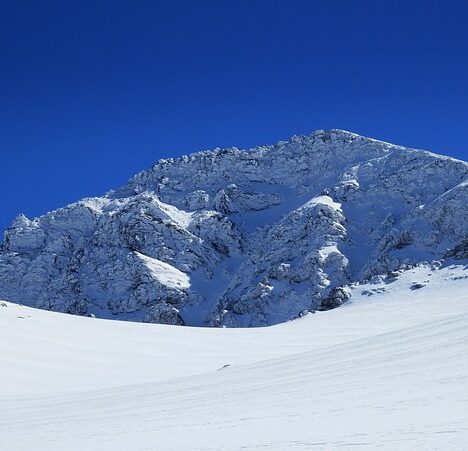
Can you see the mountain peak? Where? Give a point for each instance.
(234, 237)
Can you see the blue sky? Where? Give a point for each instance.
(92, 92)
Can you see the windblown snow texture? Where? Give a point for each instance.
(236, 237)
(387, 371)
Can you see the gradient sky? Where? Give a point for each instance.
(92, 92)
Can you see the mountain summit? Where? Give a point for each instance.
(241, 238)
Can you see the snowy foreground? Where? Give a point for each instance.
(388, 370)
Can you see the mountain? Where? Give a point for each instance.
(242, 238)
(387, 371)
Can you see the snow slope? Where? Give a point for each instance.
(387, 370)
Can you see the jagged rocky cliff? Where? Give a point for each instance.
(242, 237)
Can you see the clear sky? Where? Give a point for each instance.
(92, 92)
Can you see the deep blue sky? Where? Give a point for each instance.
(92, 92)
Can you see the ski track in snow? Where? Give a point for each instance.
(388, 370)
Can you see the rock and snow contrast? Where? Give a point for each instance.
(237, 239)
(242, 238)
(388, 370)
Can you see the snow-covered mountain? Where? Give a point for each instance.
(234, 237)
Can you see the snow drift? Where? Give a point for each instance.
(388, 371)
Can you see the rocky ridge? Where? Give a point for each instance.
(241, 238)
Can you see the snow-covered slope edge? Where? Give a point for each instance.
(242, 237)
(386, 371)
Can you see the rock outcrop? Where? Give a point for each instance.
(236, 237)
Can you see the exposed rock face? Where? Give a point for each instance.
(164, 313)
(460, 251)
(242, 238)
(337, 297)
